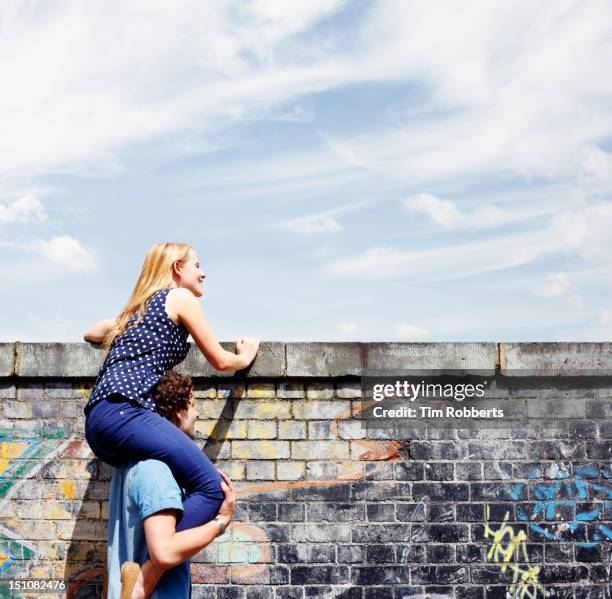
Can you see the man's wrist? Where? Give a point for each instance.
(221, 522)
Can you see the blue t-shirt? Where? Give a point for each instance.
(139, 490)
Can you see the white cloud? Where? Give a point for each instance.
(557, 284)
(411, 332)
(311, 225)
(67, 252)
(585, 231)
(446, 263)
(598, 164)
(35, 327)
(519, 88)
(443, 212)
(348, 328)
(446, 213)
(24, 209)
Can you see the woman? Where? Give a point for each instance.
(148, 338)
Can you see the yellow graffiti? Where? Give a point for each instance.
(525, 583)
(85, 391)
(3, 559)
(67, 487)
(9, 451)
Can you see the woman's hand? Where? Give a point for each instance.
(229, 503)
(247, 348)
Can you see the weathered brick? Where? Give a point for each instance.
(409, 470)
(438, 450)
(320, 390)
(290, 390)
(204, 391)
(321, 553)
(7, 390)
(30, 391)
(262, 429)
(333, 450)
(381, 512)
(260, 450)
(235, 470)
(497, 470)
(321, 533)
(322, 429)
(337, 512)
(67, 409)
(290, 470)
(468, 471)
(291, 512)
(232, 390)
(263, 409)
(260, 470)
(380, 553)
(289, 429)
(369, 575)
(439, 471)
(261, 390)
(289, 592)
(351, 429)
(440, 491)
(262, 511)
(17, 409)
(410, 512)
(379, 471)
(70, 469)
(348, 390)
(319, 574)
(351, 554)
(321, 470)
(321, 410)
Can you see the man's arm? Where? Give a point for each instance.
(168, 548)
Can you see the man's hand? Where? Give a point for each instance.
(229, 503)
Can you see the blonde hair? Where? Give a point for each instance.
(155, 274)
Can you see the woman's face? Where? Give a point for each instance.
(189, 274)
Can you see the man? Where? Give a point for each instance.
(145, 502)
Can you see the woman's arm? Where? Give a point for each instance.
(190, 313)
(99, 330)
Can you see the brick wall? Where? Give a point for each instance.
(326, 510)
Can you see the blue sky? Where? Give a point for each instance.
(389, 171)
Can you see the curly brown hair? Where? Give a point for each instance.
(172, 393)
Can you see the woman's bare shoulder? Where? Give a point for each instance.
(178, 295)
(178, 301)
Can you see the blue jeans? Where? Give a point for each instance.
(119, 431)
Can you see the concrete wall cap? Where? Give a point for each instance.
(331, 359)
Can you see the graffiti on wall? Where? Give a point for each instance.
(509, 549)
(583, 496)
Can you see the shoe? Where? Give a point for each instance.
(129, 576)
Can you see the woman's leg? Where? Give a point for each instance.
(123, 432)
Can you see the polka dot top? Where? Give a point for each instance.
(141, 355)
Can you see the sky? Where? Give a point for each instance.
(345, 170)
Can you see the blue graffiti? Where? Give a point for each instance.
(555, 500)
